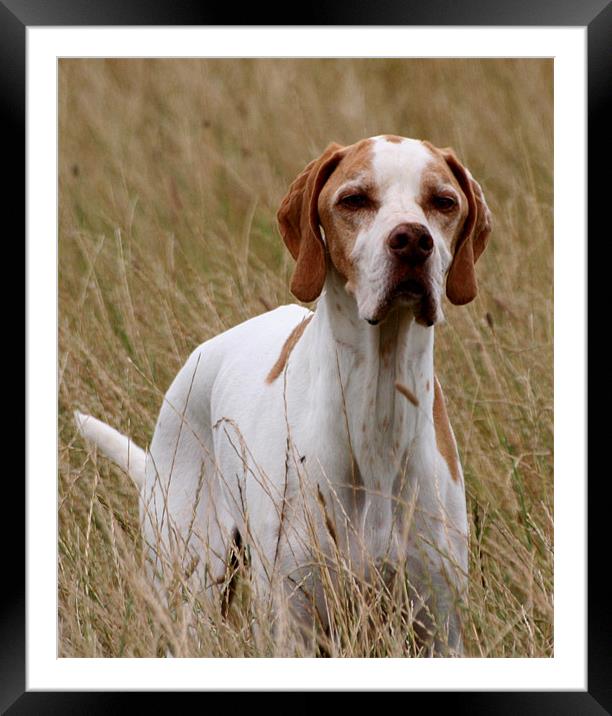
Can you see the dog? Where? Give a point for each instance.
(329, 423)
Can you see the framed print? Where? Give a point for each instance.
(159, 147)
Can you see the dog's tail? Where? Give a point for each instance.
(114, 445)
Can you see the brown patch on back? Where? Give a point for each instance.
(407, 393)
(444, 435)
(393, 138)
(288, 346)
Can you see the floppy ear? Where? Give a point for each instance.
(461, 286)
(298, 221)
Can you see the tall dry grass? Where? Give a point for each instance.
(171, 172)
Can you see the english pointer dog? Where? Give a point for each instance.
(329, 424)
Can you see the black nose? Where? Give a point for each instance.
(410, 242)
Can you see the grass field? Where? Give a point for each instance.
(171, 172)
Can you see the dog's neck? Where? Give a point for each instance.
(354, 376)
(370, 362)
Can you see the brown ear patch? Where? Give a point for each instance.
(461, 284)
(444, 434)
(298, 222)
(288, 346)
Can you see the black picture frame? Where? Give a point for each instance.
(15, 17)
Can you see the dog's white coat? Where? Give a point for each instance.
(249, 455)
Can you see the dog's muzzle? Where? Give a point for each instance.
(410, 245)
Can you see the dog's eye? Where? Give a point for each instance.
(355, 201)
(443, 202)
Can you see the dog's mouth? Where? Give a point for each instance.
(411, 289)
(413, 293)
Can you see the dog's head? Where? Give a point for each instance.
(394, 216)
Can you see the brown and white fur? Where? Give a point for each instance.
(339, 408)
